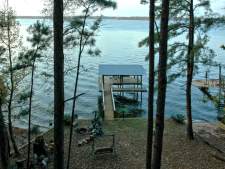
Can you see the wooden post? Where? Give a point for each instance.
(206, 77)
(137, 87)
(122, 84)
(220, 82)
(141, 87)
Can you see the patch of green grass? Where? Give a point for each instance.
(35, 130)
(67, 119)
(178, 118)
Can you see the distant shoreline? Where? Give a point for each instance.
(94, 17)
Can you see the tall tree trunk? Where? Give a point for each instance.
(11, 87)
(58, 85)
(75, 88)
(190, 67)
(29, 114)
(162, 84)
(151, 82)
(4, 142)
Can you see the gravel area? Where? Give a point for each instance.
(130, 135)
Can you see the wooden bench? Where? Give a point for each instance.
(101, 150)
(20, 164)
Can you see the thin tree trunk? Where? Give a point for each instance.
(58, 85)
(75, 90)
(190, 67)
(151, 83)
(73, 113)
(162, 84)
(29, 114)
(11, 133)
(4, 142)
(11, 87)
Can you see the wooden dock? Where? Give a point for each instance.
(205, 85)
(215, 83)
(108, 101)
(129, 90)
(126, 81)
(108, 89)
(211, 83)
(120, 79)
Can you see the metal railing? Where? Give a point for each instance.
(113, 101)
(103, 97)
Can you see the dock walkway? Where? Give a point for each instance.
(108, 101)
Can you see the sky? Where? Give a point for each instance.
(124, 7)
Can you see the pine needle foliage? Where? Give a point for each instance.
(205, 20)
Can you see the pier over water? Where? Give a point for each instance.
(119, 79)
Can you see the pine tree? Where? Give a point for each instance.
(4, 139)
(223, 47)
(10, 40)
(40, 36)
(186, 52)
(151, 81)
(80, 35)
(190, 69)
(58, 85)
(162, 85)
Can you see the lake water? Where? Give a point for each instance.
(118, 41)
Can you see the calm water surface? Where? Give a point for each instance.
(118, 41)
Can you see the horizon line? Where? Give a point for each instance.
(110, 17)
